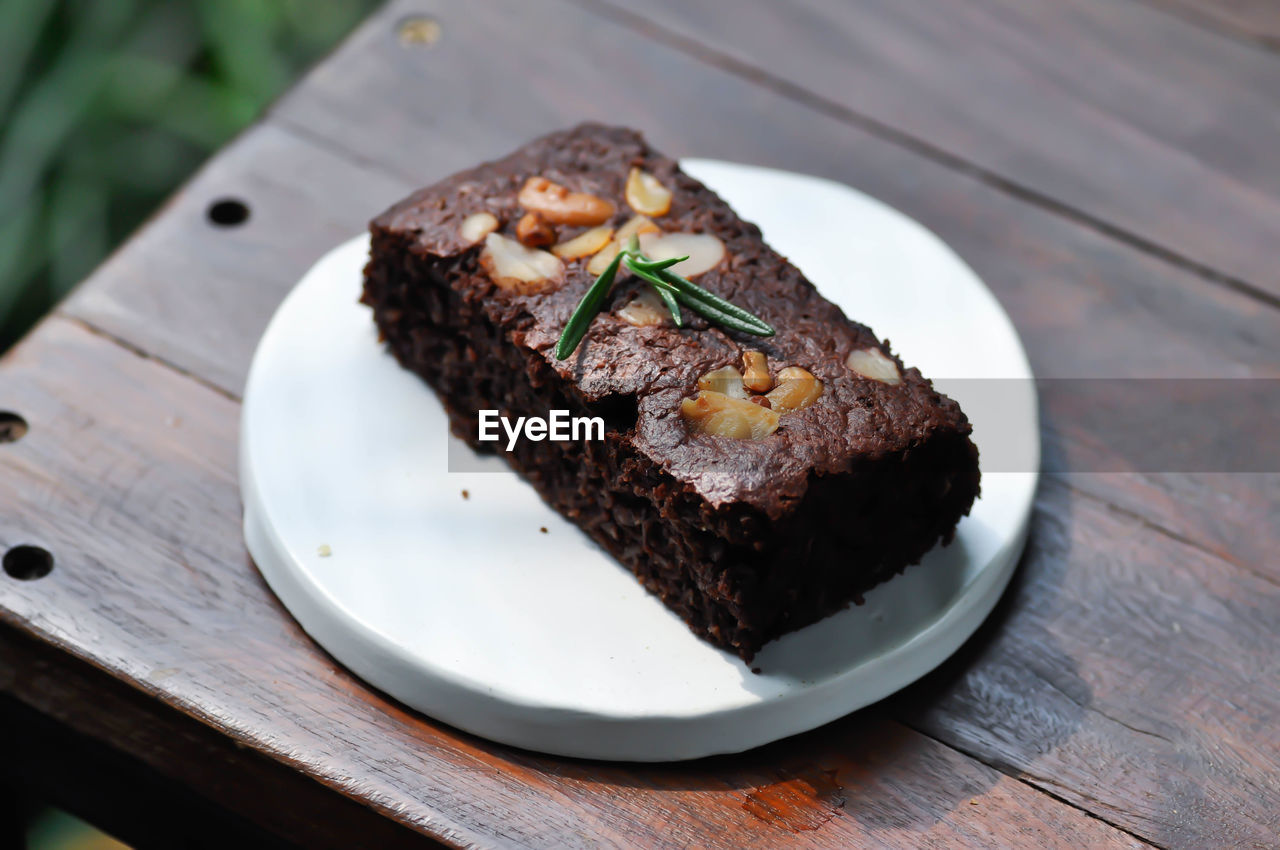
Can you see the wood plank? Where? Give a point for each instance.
(1229, 515)
(1255, 19)
(130, 482)
(1122, 662)
(1135, 118)
(198, 295)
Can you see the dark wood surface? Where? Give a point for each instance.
(1258, 20)
(1123, 116)
(1109, 168)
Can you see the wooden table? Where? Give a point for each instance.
(1110, 167)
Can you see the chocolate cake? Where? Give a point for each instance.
(756, 484)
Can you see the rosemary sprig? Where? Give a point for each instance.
(712, 307)
(673, 289)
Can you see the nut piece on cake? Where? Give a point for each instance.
(872, 363)
(726, 379)
(646, 195)
(718, 414)
(534, 232)
(796, 389)
(584, 244)
(558, 205)
(755, 372)
(513, 266)
(477, 226)
(704, 251)
(644, 311)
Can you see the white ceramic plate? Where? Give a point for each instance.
(464, 609)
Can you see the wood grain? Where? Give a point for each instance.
(152, 585)
(1255, 19)
(1124, 114)
(1122, 662)
(198, 295)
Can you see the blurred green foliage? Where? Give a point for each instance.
(106, 105)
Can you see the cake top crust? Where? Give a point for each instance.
(655, 367)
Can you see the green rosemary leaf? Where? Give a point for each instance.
(576, 328)
(719, 317)
(707, 311)
(704, 302)
(709, 306)
(672, 305)
(636, 263)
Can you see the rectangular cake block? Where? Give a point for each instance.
(744, 538)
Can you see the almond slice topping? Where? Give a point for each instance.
(703, 250)
(584, 244)
(477, 226)
(603, 258)
(637, 225)
(872, 363)
(558, 205)
(643, 311)
(646, 195)
(516, 268)
(726, 379)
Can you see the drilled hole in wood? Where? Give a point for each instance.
(28, 563)
(228, 212)
(12, 427)
(418, 31)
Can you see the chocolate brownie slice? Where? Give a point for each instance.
(752, 496)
